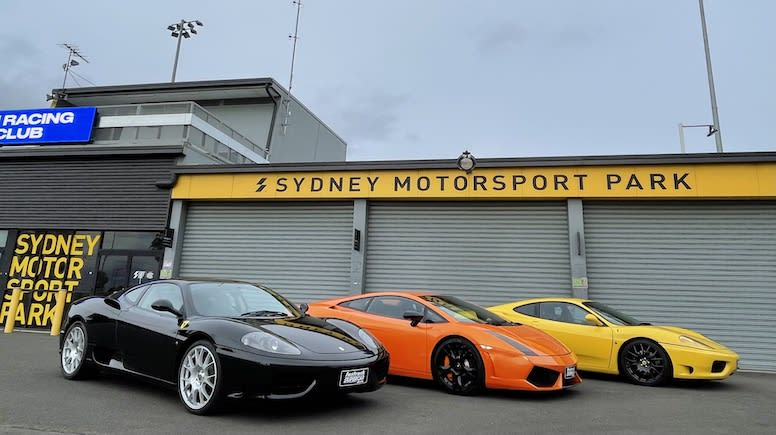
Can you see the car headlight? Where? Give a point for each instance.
(693, 342)
(368, 339)
(269, 343)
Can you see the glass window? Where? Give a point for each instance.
(394, 306)
(433, 317)
(613, 315)
(528, 310)
(134, 294)
(112, 274)
(149, 132)
(563, 312)
(463, 311)
(357, 304)
(225, 299)
(128, 240)
(3, 240)
(157, 292)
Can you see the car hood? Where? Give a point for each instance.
(527, 339)
(313, 334)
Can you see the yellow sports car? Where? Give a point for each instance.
(608, 341)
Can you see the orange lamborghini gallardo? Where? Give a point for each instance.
(461, 346)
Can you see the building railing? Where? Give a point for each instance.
(191, 134)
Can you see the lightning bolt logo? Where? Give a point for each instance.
(260, 186)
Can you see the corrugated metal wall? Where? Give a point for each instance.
(302, 250)
(108, 193)
(708, 266)
(485, 252)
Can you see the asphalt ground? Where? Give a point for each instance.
(36, 399)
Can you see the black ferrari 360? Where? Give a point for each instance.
(217, 339)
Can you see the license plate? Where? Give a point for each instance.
(570, 372)
(353, 377)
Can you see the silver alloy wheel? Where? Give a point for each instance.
(73, 350)
(197, 377)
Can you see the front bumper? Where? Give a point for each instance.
(251, 376)
(532, 373)
(710, 364)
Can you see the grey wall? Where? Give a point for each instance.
(250, 120)
(305, 139)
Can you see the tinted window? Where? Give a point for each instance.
(357, 304)
(563, 312)
(433, 317)
(157, 292)
(463, 311)
(229, 299)
(394, 306)
(612, 315)
(134, 294)
(528, 310)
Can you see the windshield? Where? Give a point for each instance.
(463, 311)
(612, 315)
(219, 299)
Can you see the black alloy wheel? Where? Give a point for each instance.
(72, 357)
(644, 362)
(457, 367)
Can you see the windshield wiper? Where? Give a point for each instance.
(264, 313)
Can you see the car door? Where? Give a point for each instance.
(149, 338)
(383, 317)
(566, 322)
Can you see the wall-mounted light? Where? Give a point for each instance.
(466, 162)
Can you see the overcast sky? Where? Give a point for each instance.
(411, 79)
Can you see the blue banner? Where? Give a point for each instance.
(40, 126)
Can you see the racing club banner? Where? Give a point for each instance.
(40, 263)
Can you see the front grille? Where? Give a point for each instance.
(718, 366)
(542, 377)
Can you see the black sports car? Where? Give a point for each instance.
(216, 339)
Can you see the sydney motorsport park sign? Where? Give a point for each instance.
(40, 126)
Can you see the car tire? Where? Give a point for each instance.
(644, 362)
(200, 378)
(72, 358)
(457, 367)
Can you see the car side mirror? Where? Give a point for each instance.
(593, 320)
(166, 306)
(113, 303)
(414, 317)
(303, 308)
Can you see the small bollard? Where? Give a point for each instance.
(10, 320)
(59, 311)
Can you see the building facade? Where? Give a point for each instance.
(85, 185)
(676, 239)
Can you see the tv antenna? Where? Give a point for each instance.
(72, 52)
(295, 37)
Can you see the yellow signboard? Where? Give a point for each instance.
(753, 180)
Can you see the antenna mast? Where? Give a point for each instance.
(295, 37)
(72, 51)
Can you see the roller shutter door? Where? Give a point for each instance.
(708, 266)
(485, 252)
(302, 250)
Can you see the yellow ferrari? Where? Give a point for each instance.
(608, 341)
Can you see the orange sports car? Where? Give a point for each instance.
(462, 346)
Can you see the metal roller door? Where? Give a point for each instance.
(302, 250)
(708, 266)
(485, 252)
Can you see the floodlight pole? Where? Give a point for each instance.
(177, 50)
(713, 94)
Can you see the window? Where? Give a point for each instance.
(157, 292)
(563, 312)
(128, 240)
(528, 310)
(357, 304)
(393, 306)
(134, 294)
